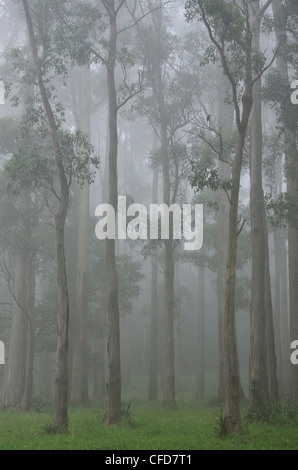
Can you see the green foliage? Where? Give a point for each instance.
(31, 164)
(277, 413)
(268, 23)
(231, 39)
(9, 134)
(202, 176)
(53, 428)
(277, 92)
(220, 429)
(210, 56)
(78, 30)
(273, 152)
(225, 18)
(282, 211)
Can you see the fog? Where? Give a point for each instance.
(115, 111)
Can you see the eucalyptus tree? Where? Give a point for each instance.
(168, 105)
(48, 158)
(229, 29)
(19, 244)
(278, 92)
(79, 388)
(92, 31)
(263, 374)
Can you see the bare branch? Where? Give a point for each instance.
(267, 66)
(241, 228)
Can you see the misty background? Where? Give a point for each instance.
(162, 49)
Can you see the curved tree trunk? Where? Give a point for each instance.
(61, 378)
(232, 417)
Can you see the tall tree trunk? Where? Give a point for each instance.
(44, 382)
(169, 399)
(61, 378)
(292, 181)
(114, 385)
(61, 375)
(277, 308)
(225, 121)
(233, 417)
(156, 78)
(281, 301)
(28, 391)
(153, 389)
(17, 366)
(271, 361)
(200, 372)
(284, 305)
(258, 391)
(19, 374)
(79, 390)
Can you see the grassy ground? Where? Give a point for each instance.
(149, 427)
(191, 426)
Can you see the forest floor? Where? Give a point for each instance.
(191, 426)
(147, 426)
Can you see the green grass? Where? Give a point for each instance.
(150, 427)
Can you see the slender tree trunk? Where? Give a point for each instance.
(233, 417)
(258, 389)
(19, 376)
(114, 385)
(281, 302)
(273, 392)
(30, 281)
(292, 182)
(44, 363)
(44, 383)
(99, 383)
(79, 390)
(61, 378)
(157, 81)
(277, 308)
(200, 379)
(153, 389)
(17, 366)
(225, 120)
(284, 305)
(169, 399)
